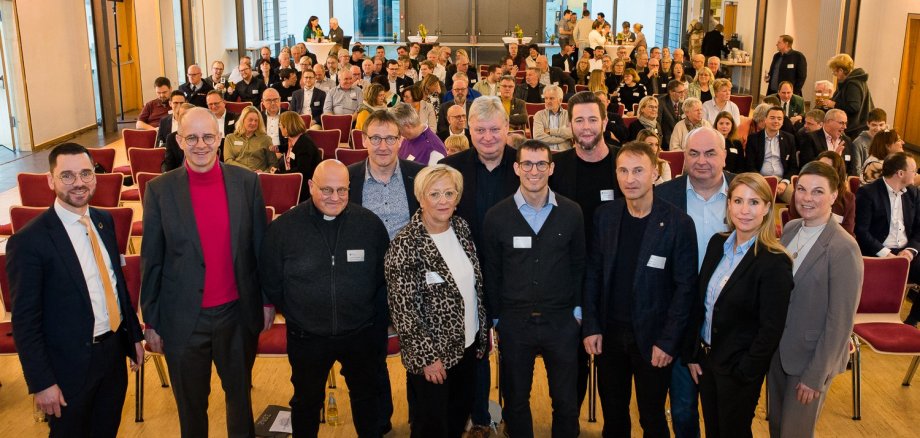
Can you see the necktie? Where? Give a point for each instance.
(111, 304)
(786, 108)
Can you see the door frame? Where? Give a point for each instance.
(907, 59)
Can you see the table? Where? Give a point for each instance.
(741, 77)
(321, 50)
(611, 49)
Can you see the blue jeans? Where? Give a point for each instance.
(685, 416)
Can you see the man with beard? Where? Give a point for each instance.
(248, 89)
(156, 109)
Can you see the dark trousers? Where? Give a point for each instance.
(618, 364)
(218, 337)
(95, 410)
(312, 356)
(441, 410)
(483, 386)
(728, 402)
(521, 339)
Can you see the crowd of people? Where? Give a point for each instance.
(577, 241)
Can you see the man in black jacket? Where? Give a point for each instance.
(771, 152)
(322, 266)
(787, 65)
(249, 89)
(195, 90)
(308, 99)
(831, 136)
(669, 109)
(566, 60)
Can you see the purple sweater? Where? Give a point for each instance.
(419, 149)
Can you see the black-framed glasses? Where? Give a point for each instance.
(527, 166)
(376, 139)
(328, 191)
(69, 178)
(192, 140)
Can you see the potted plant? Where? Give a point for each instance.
(422, 32)
(519, 33)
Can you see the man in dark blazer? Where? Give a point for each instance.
(779, 161)
(793, 105)
(226, 120)
(197, 315)
(443, 128)
(639, 288)
(166, 123)
(566, 60)
(831, 134)
(556, 76)
(317, 97)
(787, 65)
(669, 109)
(73, 323)
(196, 89)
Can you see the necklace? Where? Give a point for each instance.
(798, 240)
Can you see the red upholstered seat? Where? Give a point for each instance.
(342, 122)
(237, 107)
(627, 121)
(7, 346)
(34, 190)
(21, 216)
(307, 120)
(883, 286)
(357, 139)
(890, 338)
(139, 138)
(350, 156)
(274, 341)
(104, 157)
(532, 108)
(108, 190)
(6, 328)
(327, 140)
(137, 228)
(6, 229)
(281, 191)
(744, 103)
(675, 159)
(393, 345)
(122, 217)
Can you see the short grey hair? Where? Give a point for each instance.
(405, 115)
(760, 112)
(690, 103)
(552, 90)
(834, 114)
(461, 76)
(487, 107)
(826, 83)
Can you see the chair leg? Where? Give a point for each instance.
(158, 361)
(766, 398)
(139, 394)
(910, 371)
(498, 377)
(592, 390)
(332, 377)
(857, 377)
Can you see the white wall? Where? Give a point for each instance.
(300, 11)
(56, 108)
(880, 45)
(217, 26)
(746, 20)
(150, 46)
(644, 12)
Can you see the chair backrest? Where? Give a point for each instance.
(132, 271)
(104, 157)
(342, 122)
(285, 106)
(517, 131)
(854, 183)
(307, 120)
(34, 190)
(773, 182)
(483, 70)
(357, 139)
(884, 284)
(350, 156)
(5, 286)
(784, 216)
(269, 214)
(327, 140)
(565, 106)
(146, 160)
(123, 217)
(281, 191)
(675, 159)
(108, 190)
(21, 216)
(519, 77)
(530, 124)
(565, 89)
(621, 109)
(532, 108)
(744, 103)
(142, 179)
(237, 107)
(627, 121)
(635, 109)
(393, 345)
(139, 138)
(579, 88)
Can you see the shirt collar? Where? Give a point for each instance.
(520, 202)
(729, 244)
(67, 217)
(368, 176)
(891, 190)
(722, 190)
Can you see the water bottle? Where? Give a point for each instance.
(332, 411)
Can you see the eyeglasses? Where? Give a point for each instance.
(328, 191)
(69, 178)
(192, 140)
(448, 195)
(458, 116)
(376, 139)
(527, 166)
(272, 100)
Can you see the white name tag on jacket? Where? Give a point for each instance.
(433, 278)
(522, 242)
(790, 65)
(607, 195)
(230, 123)
(255, 91)
(316, 103)
(238, 142)
(846, 158)
(837, 218)
(656, 262)
(733, 150)
(122, 259)
(354, 255)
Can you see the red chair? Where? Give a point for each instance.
(7, 346)
(744, 103)
(517, 131)
(565, 89)
(629, 121)
(532, 108)
(281, 191)
(773, 182)
(635, 109)
(342, 122)
(237, 107)
(675, 159)
(350, 156)
(784, 216)
(327, 140)
(483, 70)
(357, 139)
(621, 109)
(565, 106)
(878, 320)
(307, 120)
(854, 183)
(122, 217)
(269, 214)
(108, 190)
(21, 216)
(137, 227)
(285, 106)
(104, 157)
(530, 126)
(580, 88)
(139, 138)
(519, 77)
(34, 190)
(143, 160)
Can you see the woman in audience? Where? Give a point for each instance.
(312, 30)
(431, 88)
(648, 118)
(616, 75)
(844, 208)
(737, 321)
(302, 155)
(883, 144)
(596, 82)
(666, 63)
(249, 146)
(631, 91)
(615, 133)
(456, 144)
(721, 101)
(582, 71)
(828, 272)
(701, 87)
(375, 99)
(434, 290)
(653, 140)
(266, 75)
(413, 96)
(852, 94)
(677, 74)
(533, 51)
(734, 149)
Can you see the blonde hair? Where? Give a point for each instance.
(293, 123)
(432, 174)
(240, 129)
(596, 81)
(766, 232)
(721, 83)
(456, 143)
(841, 61)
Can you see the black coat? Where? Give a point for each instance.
(306, 157)
(873, 217)
(812, 144)
(667, 117)
(755, 153)
(792, 67)
(199, 97)
(315, 103)
(713, 44)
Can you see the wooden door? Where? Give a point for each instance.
(907, 114)
(130, 63)
(730, 19)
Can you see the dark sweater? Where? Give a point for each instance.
(545, 278)
(323, 289)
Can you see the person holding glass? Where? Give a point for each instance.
(737, 322)
(434, 289)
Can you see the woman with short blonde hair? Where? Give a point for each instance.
(249, 146)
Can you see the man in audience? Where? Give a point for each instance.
(787, 65)
(357, 56)
(323, 81)
(531, 91)
(333, 65)
(156, 109)
(715, 66)
(678, 55)
(336, 35)
(693, 118)
(356, 73)
(168, 124)
(597, 61)
(831, 138)
(226, 121)
(265, 55)
(72, 332)
(551, 124)
(414, 50)
(309, 99)
(876, 122)
(696, 63)
(248, 89)
(343, 99)
(456, 123)
(460, 95)
(554, 75)
(287, 84)
(194, 315)
(701, 192)
(421, 144)
(655, 53)
(637, 309)
(397, 84)
(669, 109)
(655, 83)
(582, 28)
(771, 152)
(271, 116)
(216, 79)
(515, 108)
(565, 60)
(367, 73)
(793, 106)
(336, 318)
(888, 217)
(196, 89)
(235, 75)
(284, 61)
(489, 85)
(344, 59)
(824, 89)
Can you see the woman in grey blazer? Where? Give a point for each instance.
(828, 275)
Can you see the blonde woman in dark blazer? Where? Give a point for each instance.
(434, 288)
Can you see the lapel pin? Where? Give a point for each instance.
(661, 224)
(99, 225)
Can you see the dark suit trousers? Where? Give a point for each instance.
(218, 337)
(618, 364)
(96, 410)
(728, 402)
(521, 339)
(311, 357)
(441, 410)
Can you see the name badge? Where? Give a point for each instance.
(122, 258)
(238, 142)
(522, 242)
(787, 157)
(846, 158)
(292, 155)
(836, 217)
(607, 195)
(733, 150)
(411, 157)
(354, 96)
(255, 91)
(354, 255)
(289, 98)
(316, 103)
(656, 262)
(433, 278)
(231, 123)
(790, 65)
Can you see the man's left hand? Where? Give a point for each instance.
(269, 313)
(660, 359)
(138, 358)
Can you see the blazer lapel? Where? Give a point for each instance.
(656, 227)
(65, 250)
(739, 271)
(818, 250)
(185, 210)
(234, 209)
(614, 237)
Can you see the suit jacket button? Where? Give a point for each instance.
(715, 330)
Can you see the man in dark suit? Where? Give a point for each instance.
(771, 152)
(197, 316)
(793, 106)
(460, 99)
(893, 198)
(73, 323)
(669, 112)
(655, 82)
(456, 123)
(226, 121)
(714, 43)
(308, 99)
(167, 126)
(566, 60)
(639, 288)
(831, 137)
(196, 89)
(787, 65)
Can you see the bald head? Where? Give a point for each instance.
(198, 128)
(194, 74)
(271, 102)
(704, 156)
(329, 187)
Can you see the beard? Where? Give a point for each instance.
(592, 144)
(74, 200)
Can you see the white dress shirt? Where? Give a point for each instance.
(272, 128)
(897, 234)
(772, 160)
(307, 98)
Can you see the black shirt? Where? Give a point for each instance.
(619, 310)
(489, 187)
(328, 228)
(285, 92)
(594, 180)
(533, 94)
(705, 96)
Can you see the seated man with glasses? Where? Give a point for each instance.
(456, 119)
(460, 94)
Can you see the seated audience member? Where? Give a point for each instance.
(734, 149)
(853, 95)
(265, 57)
(167, 123)
(420, 143)
(787, 125)
(844, 208)
(677, 74)
(531, 90)
(488, 86)
(460, 83)
(407, 69)
(693, 118)
(630, 92)
(216, 79)
(323, 81)
(615, 132)
(462, 98)
(647, 118)
(793, 106)
(461, 65)
(721, 101)
(597, 60)
(344, 98)
(514, 107)
(174, 156)
(554, 75)
(285, 62)
(582, 71)
(824, 89)
(196, 89)
(456, 144)
(248, 146)
(877, 121)
(396, 83)
(235, 75)
(226, 121)
(565, 60)
(287, 84)
(654, 79)
(156, 109)
(714, 64)
(701, 87)
(551, 124)
(883, 144)
(248, 89)
(533, 52)
(432, 89)
(663, 167)
(271, 113)
(831, 138)
(267, 76)
(374, 100)
(669, 109)
(456, 123)
(302, 156)
(309, 99)
(426, 113)
(357, 56)
(771, 152)
(516, 54)
(614, 75)
(597, 82)
(697, 62)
